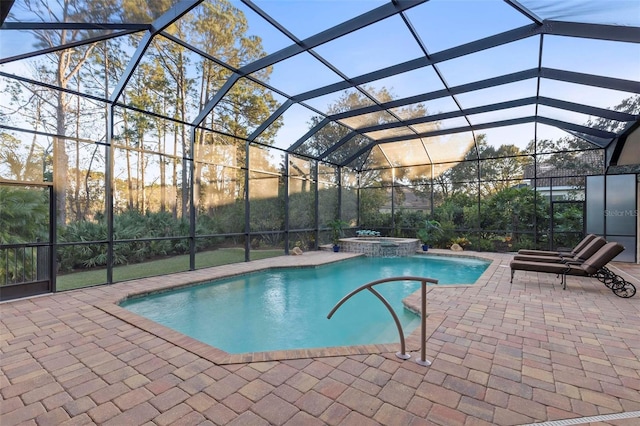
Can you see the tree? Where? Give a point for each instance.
(569, 157)
(136, 125)
(456, 178)
(24, 216)
(629, 105)
(501, 168)
(19, 162)
(25, 161)
(63, 68)
(326, 137)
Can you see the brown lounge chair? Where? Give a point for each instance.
(585, 253)
(592, 267)
(580, 246)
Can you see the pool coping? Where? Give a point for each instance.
(146, 286)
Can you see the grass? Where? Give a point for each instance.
(160, 267)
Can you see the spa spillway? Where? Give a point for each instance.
(380, 246)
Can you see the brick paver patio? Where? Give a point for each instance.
(503, 354)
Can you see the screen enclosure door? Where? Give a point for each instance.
(25, 240)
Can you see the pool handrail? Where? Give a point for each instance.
(423, 314)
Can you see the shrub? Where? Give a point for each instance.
(461, 241)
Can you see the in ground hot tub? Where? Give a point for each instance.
(380, 246)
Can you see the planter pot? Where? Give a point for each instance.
(336, 249)
(425, 247)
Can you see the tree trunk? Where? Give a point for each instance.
(61, 161)
(141, 181)
(128, 157)
(76, 190)
(174, 176)
(162, 140)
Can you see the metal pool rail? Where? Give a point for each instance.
(423, 314)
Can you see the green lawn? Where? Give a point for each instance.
(160, 267)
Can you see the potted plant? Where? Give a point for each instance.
(336, 226)
(430, 231)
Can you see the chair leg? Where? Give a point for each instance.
(512, 272)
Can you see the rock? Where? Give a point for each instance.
(456, 247)
(297, 251)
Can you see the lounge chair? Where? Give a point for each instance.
(585, 253)
(595, 266)
(581, 245)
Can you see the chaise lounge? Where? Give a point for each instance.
(580, 256)
(580, 246)
(594, 266)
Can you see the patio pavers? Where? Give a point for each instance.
(502, 354)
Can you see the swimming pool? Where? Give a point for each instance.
(286, 308)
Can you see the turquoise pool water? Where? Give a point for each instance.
(287, 308)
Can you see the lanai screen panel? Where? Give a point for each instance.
(328, 198)
(302, 190)
(288, 127)
(405, 153)
(349, 197)
(266, 194)
(353, 144)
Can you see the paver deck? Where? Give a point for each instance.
(503, 354)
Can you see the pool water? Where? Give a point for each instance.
(287, 308)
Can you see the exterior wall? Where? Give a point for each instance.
(612, 211)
